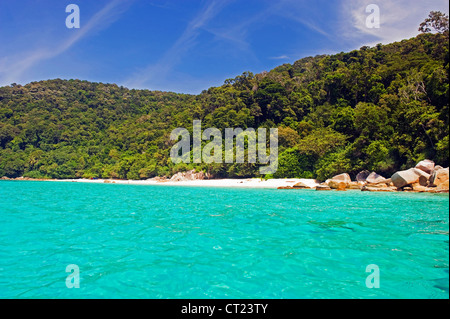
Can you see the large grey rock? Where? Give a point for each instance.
(409, 177)
(188, 176)
(374, 178)
(362, 176)
(342, 178)
(426, 165)
(340, 181)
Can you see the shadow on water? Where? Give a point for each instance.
(441, 283)
(331, 224)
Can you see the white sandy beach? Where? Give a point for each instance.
(241, 183)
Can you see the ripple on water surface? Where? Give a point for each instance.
(184, 242)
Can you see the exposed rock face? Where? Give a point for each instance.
(378, 189)
(178, 177)
(323, 188)
(343, 177)
(409, 177)
(337, 184)
(443, 188)
(426, 165)
(417, 179)
(301, 185)
(339, 181)
(423, 189)
(440, 180)
(379, 185)
(374, 178)
(362, 176)
(188, 176)
(354, 185)
(285, 187)
(438, 177)
(423, 180)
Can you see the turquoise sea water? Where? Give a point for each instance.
(185, 242)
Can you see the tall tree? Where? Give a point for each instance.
(436, 21)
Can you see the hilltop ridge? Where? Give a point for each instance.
(382, 108)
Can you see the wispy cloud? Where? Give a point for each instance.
(160, 69)
(302, 13)
(294, 10)
(281, 57)
(16, 65)
(236, 33)
(399, 19)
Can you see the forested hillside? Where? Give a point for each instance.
(382, 109)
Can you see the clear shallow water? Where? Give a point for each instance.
(185, 242)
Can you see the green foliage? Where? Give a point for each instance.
(321, 141)
(287, 138)
(436, 21)
(291, 163)
(442, 150)
(381, 108)
(333, 164)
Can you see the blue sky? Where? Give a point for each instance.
(187, 46)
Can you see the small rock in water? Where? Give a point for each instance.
(285, 187)
(301, 186)
(323, 188)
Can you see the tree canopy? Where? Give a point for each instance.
(382, 108)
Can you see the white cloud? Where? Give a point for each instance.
(399, 19)
(281, 57)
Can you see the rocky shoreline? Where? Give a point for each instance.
(425, 177)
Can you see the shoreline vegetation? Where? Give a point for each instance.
(382, 109)
(425, 177)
